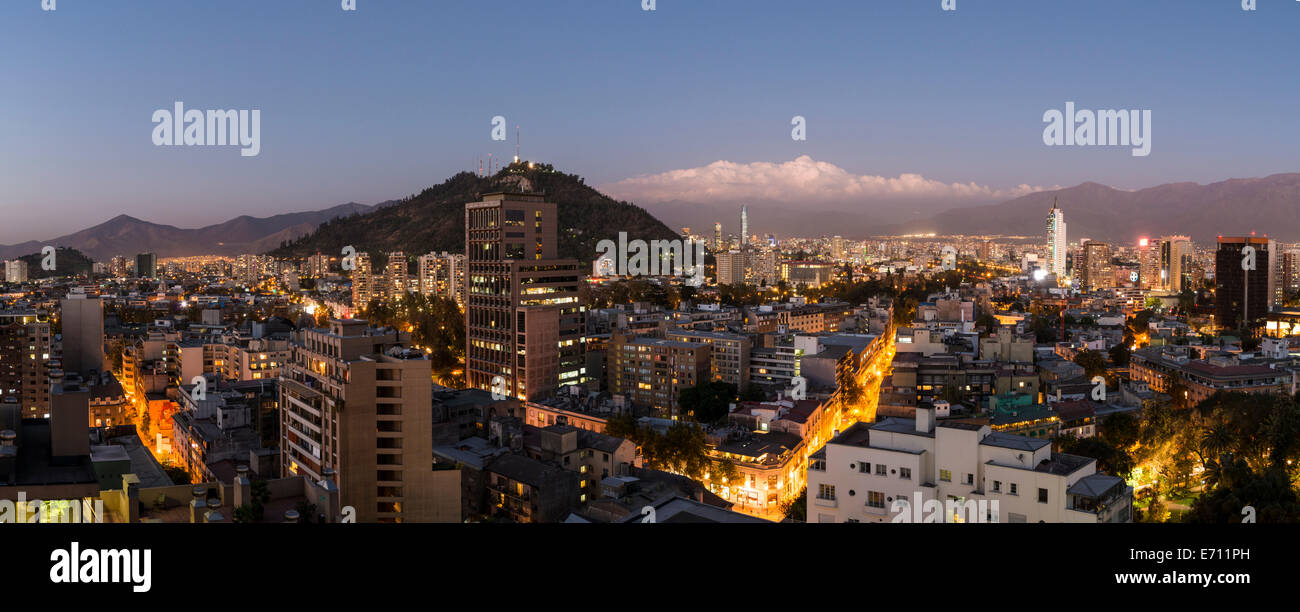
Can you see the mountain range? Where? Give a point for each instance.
(126, 235)
(1269, 206)
(434, 219)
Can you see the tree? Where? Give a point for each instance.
(753, 393)
(1092, 361)
(846, 380)
(707, 402)
(796, 509)
(1119, 355)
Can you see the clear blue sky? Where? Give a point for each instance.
(382, 102)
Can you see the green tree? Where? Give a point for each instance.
(707, 402)
(1092, 362)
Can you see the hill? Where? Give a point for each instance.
(434, 219)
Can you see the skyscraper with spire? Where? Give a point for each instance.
(1057, 245)
(744, 226)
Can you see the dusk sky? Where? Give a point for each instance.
(379, 103)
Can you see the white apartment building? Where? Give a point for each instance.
(873, 472)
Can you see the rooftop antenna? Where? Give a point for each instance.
(516, 144)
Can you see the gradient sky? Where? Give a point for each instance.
(383, 102)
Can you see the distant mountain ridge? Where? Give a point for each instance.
(434, 220)
(127, 235)
(1268, 206)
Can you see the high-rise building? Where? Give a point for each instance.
(146, 265)
(25, 361)
(1057, 245)
(15, 271)
(1243, 296)
(363, 282)
(744, 226)
(731, 268)
(379, 444)
(525, 323)
(837, 248)
(1148, 264)
(442, 275)
(717, 237)
(1175, 263)
(119, 266)
(1097, 271)
(396, 276)
(1291, 269)
(83, 333)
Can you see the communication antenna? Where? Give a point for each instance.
(516, 144)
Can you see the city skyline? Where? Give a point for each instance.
(862, 143)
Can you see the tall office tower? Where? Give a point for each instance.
(1175, 263)
(15, 271)
(744, 226)
(83, 333)
(146, 265)
(837, 248)
(1291, 269)
(1245, 293)
(717, 237)
(380, 442)
(442, 275)
(731, 268)
(363, 282)
(1057, 246)
(1148, 264)
(396, 276)
(24, 361)
(1097, 271)
(524, 319)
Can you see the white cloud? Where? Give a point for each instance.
(802, 179)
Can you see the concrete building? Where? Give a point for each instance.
(524, 321)
(888, 471)
(356, 400)
(729, 361)
(25, 361)
(651, 372)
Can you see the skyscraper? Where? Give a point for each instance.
(524, 320)
(146, 265)
(1057, 246)
(1097, 271)
(744, 226)
(1241, 295)
(717, 237)
(1175, 262)
(83, 333)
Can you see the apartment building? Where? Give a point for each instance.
(442, 275)
(651, 372)
(887, 471)
(1202, 378)
(357, 400)
(25, 361)
(729, 360)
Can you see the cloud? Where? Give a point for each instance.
(800, 180)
